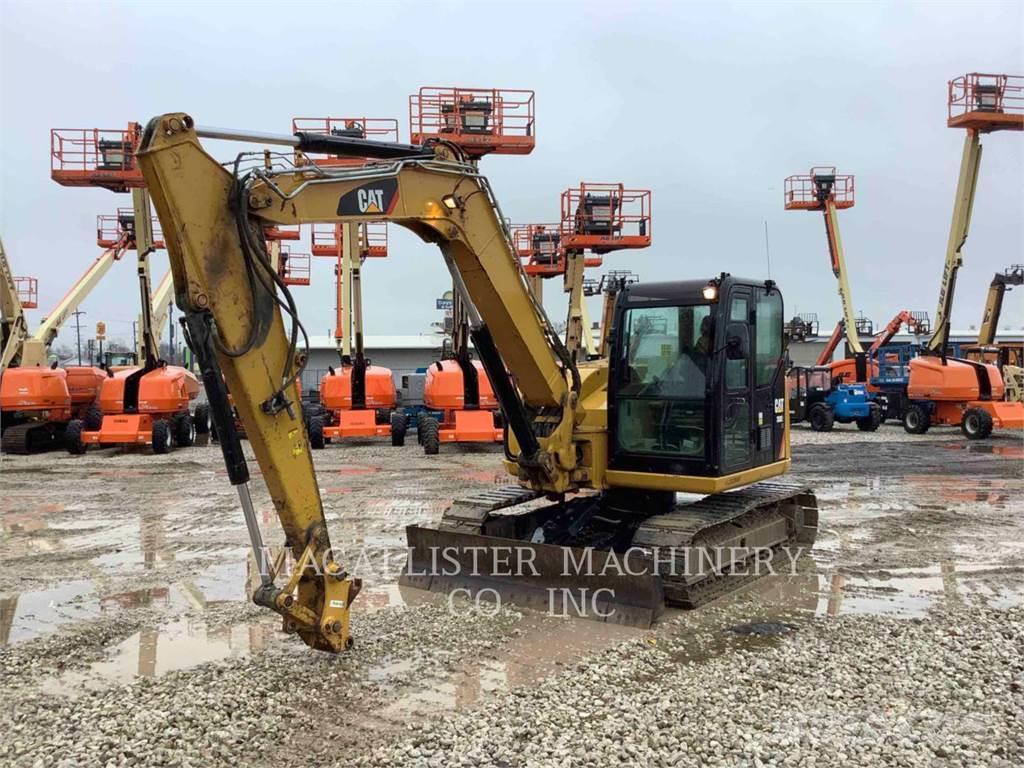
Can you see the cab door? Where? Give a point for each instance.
(738, 382)
(769, 377)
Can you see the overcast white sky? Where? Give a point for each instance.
(710, 106)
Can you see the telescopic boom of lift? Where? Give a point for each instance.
(16, 295)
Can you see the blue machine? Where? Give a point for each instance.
(891, 368)
(814, 398)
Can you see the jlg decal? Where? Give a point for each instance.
(373, 199)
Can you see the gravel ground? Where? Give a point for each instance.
(126, 637)
(858, 690)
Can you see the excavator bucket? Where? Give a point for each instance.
(492, 546)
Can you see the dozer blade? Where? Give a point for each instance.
(561, 581)
(488, 546)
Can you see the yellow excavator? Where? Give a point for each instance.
(690, 400)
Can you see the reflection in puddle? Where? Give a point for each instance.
(1009, 451)
(153, 652)
(541, 646)
(911, 592)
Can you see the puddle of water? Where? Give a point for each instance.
(154, 652)
(541, 647)
(32, 614)
(378, 597)
(911, 592)
(1009, 451)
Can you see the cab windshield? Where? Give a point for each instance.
(661, 400)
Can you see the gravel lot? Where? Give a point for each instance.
(126, 637)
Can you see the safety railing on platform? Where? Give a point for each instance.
(479, 120)
(327, 239)
(294, 268)
(605, 217)
(111, 228)
(808, 192)
(27, 289)
(94, 157)
(986, 102)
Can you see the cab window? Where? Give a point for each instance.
(661, 398)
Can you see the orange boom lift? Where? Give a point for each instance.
(599, 218)
(146, 405)
(37, 399)
(828, 192)
(945, 390)
(359, 399)
(476, 122)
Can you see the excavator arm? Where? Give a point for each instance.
(232, 299)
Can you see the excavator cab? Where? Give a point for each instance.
(696, 377)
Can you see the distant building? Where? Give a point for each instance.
(402, 354)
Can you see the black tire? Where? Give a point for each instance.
(382, 416)
(162, 436)
(871, 422)
(419, 427)
(431, 436)
(184, 430)
(73, 437)
(213, 432)
(399, 424)
(93, 419)
(916, 420)
(316, 432)
(202, 419)
(821, 418)
(976, 424)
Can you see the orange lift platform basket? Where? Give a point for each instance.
(294, 268)
(327, 240)
(481, 121)
(374, 128)
(539, 248)
(986, 103)
(283, 232)
(808, 192)
(94, 157)
(27, 289)
(605, 217)
(112, 229)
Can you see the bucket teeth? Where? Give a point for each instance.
(488, 545)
